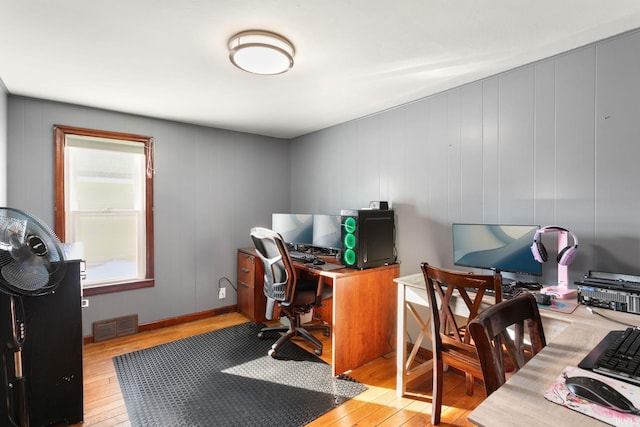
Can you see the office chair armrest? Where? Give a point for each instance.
(271, 303)
(322, 293)
(320, 286)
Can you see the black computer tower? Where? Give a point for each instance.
(51, 354)
(368, 238)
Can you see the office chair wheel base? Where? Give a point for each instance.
(272, 353)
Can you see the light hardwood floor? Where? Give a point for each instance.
(378, 406)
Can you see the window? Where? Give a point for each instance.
(104, 199)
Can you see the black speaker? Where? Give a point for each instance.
(368, 238)
(52, 354)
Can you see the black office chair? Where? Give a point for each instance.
(294, 296)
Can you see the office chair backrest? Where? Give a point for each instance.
(490, 334)
(279, 274)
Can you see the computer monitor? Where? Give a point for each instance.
(498, 247)
(326, 231)
(294, 228)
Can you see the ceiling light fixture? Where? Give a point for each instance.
(261, 52)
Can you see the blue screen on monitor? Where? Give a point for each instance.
(495, 247)
(327, 232)
(294, 228)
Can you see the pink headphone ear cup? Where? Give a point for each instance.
(566, 255)
(539, 252)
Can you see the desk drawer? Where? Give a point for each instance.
(246, 269)
(251, 299)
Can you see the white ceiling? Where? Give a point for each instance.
(169, 58)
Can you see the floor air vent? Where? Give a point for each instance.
(114, 328)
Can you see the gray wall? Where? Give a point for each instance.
(555, 142)
(208, 193)
(550, 143)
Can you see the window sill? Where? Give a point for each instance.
(117, 287)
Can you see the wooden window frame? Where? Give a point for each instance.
(60, 134)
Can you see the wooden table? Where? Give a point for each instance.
(521, 400)
(363, 313)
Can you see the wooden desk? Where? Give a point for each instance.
(363, 312)
(521, 400)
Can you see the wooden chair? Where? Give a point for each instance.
(493, 340)
(450, 341)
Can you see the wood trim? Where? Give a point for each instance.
(58, 205)
(101, 133)
(149, 211)
(178, 320)
(118, 287)
(60, 133)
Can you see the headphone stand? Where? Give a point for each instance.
(562, 291)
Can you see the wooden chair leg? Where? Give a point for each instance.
(436, 399)
(469, 382)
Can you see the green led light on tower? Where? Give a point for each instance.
(350, 240)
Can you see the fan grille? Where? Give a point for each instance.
(31, 258)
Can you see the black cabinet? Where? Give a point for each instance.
(52, 353)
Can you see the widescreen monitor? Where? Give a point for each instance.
(326, 231)
(496, 247)
(294, 228)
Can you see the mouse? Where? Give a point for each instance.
(318, 261)
(596, 391)
(543, 299)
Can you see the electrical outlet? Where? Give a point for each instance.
(222, 293)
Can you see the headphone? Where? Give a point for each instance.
(566, 254)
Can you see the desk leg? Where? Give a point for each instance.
(363, 316)
(404, 371)
(401, 347)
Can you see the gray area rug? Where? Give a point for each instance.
(226, 378)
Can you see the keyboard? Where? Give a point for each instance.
(511, 290)
(302, 256)
(508, 291)
(622, 357)
(531, 286)
(515, 288)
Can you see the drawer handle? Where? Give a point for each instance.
(244, 284)
(245, 270)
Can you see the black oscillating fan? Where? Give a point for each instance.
(31, 264)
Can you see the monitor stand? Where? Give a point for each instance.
(562, 291)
